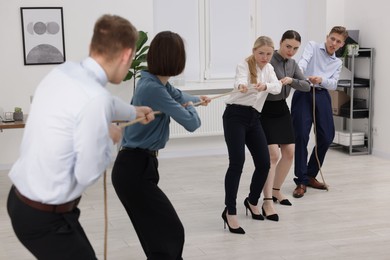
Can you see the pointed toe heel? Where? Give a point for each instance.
(273, 217)
(238, 230)
(284, 202)
(254, 216)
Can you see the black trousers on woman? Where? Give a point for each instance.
(49, 235)
(242, 127)
(135, 177)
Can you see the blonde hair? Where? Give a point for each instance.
(261, 41)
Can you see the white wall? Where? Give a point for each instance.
(335, 14)
(317, 17)
(274, 21)
(18, 82)
(373, 21)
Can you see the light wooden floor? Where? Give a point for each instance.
(350, 221)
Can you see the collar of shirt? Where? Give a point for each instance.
(147, 74)
(279, 57)
(93, 67)
(323, 47)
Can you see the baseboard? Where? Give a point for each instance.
(381, 154)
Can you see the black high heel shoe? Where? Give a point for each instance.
(254, 216)
(273, 217)
(284, 202)
(238, 230)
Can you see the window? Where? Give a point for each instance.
(218, 34)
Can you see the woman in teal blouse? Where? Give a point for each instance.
(135, 173)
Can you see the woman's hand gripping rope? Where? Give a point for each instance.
(204, 101)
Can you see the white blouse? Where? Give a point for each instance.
(253, 97)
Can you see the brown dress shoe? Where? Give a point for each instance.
(316, 184)
(299, 191)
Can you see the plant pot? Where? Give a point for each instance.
(18, 116)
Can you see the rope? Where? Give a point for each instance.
(315, 133)
(137, 120)
(218, 96)
(105, 214)
(158, 112)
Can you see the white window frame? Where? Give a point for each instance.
(206, 71)
(210, 73)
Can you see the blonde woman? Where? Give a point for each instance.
(255, 78)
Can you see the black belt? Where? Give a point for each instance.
(241, 106)
(61, 208)
(317, 88)
(150, 152)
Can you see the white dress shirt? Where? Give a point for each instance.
(66, 144)
(253, 97)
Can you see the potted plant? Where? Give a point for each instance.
(139, 60)
(350, 50)
(18, 114)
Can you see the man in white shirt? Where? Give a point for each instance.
(67, 143)
(322, 68)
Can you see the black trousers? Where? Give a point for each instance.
(49, 235)
(135, 177)
(241, 126)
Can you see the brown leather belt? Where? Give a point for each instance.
(61, 208)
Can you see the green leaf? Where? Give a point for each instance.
(129, 76)
(142, 39)
(142, 57)
(143, 50)
(139, 60)
(142, 67)
(135, 64)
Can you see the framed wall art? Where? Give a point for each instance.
(43, 35)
